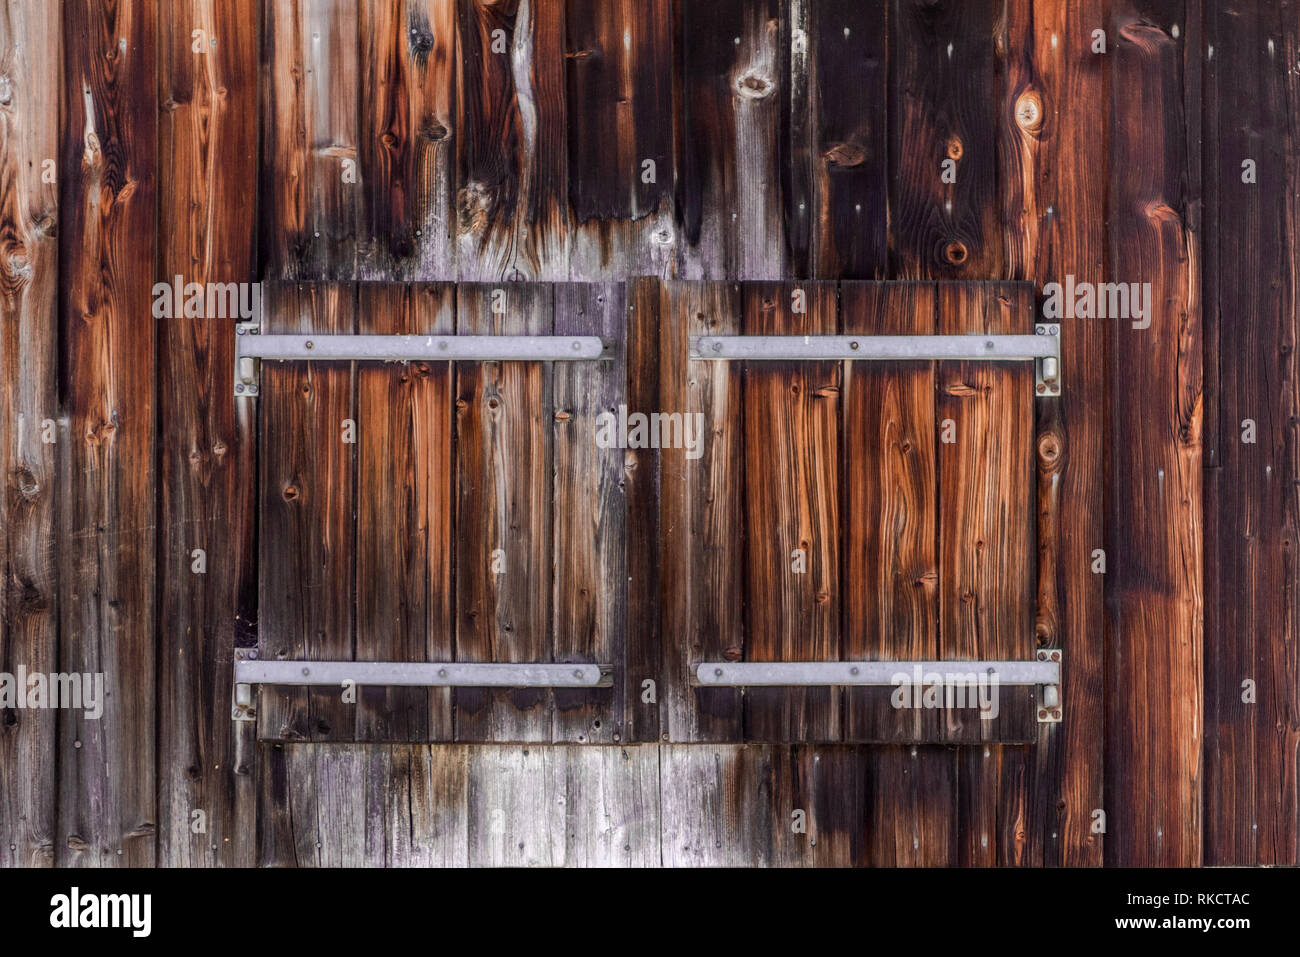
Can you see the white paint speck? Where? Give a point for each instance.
(846, 33)
(949, 51)
(1173, 31)
(1054, 41)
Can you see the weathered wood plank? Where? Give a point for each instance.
(890, 522)
(943, 105)
(310, 176)
(512, 152)
(208, 142)
(404, 539)
(986, 473)
(1250, 504)
(590, 522)
(619, 76)
(647, 657)
(913, 807)
(849, 136)
(791, 424)
(1154, 556)
(504, 475)
(30, 592)
(1054, 202)
(407, 74)
(701, 514)
(733, 91)
(306, 538)
(107, 787)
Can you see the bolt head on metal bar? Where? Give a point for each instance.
(424, 674)
(816, 673)
(429, 348)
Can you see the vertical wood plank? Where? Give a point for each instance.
(733, 93)
(407, 77)
(306, 537)
(1250, 502)
(986, 472)
(913, 806)
(848, 194)
(1154, 555)
(107, 795)
(511, 187)
(891, 575)
(504, 462)
(943, 102)
(309, 137)
(648, 657)
(701, 514)
(590, 523)
(404, 540)
(208, 146)
(619, 76)
(30, 592)
(791, 512)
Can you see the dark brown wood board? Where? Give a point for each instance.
(30, 438)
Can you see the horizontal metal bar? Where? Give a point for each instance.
(924, 673)
(1019, 348)
(434, 348)
(423, 674)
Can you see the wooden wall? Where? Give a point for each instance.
(339, 140)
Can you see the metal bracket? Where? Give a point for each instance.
(423, 674)
(1043, 349)
(252, 346)
(1049, 694)
(243, 702)
(736, 674)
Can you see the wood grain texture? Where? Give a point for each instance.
(1056, 227)
(108, 163)
(701, 514)
(208, 155)
(30, 591)
(306, 535)
(791, 492)
(733, 94)
(1250, 506)
(504, 521)
(619, 88)
(404, 535)
(308, 227)
(407, 68)
(986, 474)
(589, 576)
(943, 106)
(1154, 549)
(890, 521)
(512, 152)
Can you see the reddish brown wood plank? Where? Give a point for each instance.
(207, 572)
(511, 186)
(404, 537)
(306, 536)
(504, 463)
(987, 503)
(1153, 583)
(407, 74)
(590, 560)
(701, 514)
(791, 512)
(890, 521)
(30, 49)
(107, 788)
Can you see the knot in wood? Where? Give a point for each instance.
(845, 155)
(754, 86)
(955, 148)
(1029, 112)
(955, 252)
